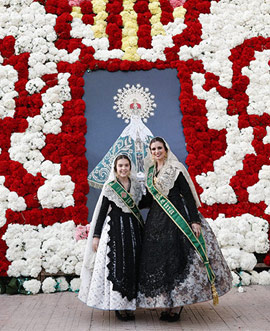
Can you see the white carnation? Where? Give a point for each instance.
(48, 285)
(264, 278)
(62, 284)
(75, 284)
(245, 278)
(32, 286)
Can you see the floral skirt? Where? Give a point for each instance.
(191, 284)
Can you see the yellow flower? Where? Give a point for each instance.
(76, 12)
(128, 4)
(131, 32)
(101, 16)
(99, 30)
(129, 42)
(128, 16)
(157, 29)
(99, 27)
(179, 12)
(99, 5)
(154, 8)
(131, 25)
(76, 9)
(76, 15)
(155, 19)
(131, 55)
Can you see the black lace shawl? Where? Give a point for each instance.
(125, 246)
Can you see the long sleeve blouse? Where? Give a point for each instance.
(101, 217)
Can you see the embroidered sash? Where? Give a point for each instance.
(127, 199)
(182, 224)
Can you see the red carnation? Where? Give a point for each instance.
(88, 19)
(7, 46)
(86, 7)
(141, 6)
(267, 259)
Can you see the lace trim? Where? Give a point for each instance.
(153, 284)
(165, 179)
(135, 192)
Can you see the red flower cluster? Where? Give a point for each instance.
(166, 12)
(114, 26)
(57, 7)
(66, 148)
(143, 20)
(87, 11)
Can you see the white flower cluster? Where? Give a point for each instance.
(24, 242)
(75, 284)
(32, 286)
(261, 190)
(239, 237)
(251, 278)
(229, 24)
(9, 200)
(25, 146)
(258, 73)
(57, 190)
(50, 285)
(60, 284)
(34, 32)
(52, 108)
(53, 248)
(8, 77)
(216, 184)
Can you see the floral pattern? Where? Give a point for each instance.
(195, 287)
(221, 51)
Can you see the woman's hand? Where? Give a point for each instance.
(196, 229)
(95, 244)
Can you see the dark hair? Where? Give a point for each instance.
(120, 157)
(159, 139)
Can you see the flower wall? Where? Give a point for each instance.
(221, 50)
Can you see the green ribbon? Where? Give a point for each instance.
(127, 199)
(182, 224)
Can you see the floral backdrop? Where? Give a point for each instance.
(221, 49)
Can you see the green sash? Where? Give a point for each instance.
(127, 199)
(182, 224)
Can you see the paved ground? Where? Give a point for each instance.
(64, 312)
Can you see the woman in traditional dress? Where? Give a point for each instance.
(111, 261)
(181, 262)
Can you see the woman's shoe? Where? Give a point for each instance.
(174, 317)
(164, 316)
(130, 315)
(121, 315)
